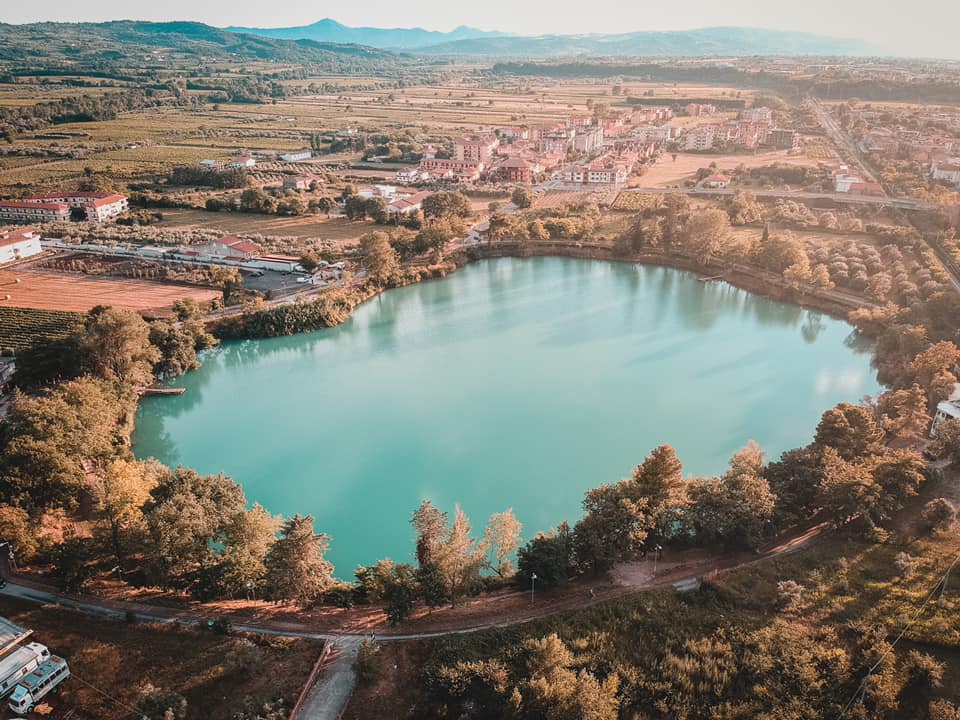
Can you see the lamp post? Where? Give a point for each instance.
(251, 590)
(656, 556)
(533, 579)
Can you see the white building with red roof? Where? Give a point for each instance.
(96, 206)
(18, 244)
(716, 182)
(228, 248)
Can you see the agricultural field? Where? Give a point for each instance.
(42, 290)
(24, 327)
(667, 172)
(220, 676)
(304, 227)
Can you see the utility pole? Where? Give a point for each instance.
(533, 579)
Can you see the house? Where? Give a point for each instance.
(462, 170)
(843, 179)
(95, 206)
(656, 134)
(947, 171)
(408, 175)
(300, 182)
(387, 192)
(515, 170)
(18, 244)
(297, 156)
(214, 165)
(948, 409)
(18, 211)
(408, 204)
(242, 161)
(228, 248)
(716, 182)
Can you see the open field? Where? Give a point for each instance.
(78, 293)
(111, 661)
(306, 227)
(667, 172)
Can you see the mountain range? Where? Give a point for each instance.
(719, 41)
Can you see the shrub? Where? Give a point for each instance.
(939, 514)
(906, 565)
(367, 664)
(791, 594)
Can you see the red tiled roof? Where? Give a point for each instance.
(43, 205)
(108, 200)
(16, 236)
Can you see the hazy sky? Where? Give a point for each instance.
(921, 27)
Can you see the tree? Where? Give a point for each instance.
(946, 445)
(706, 234)
(435, 235)
(248, 537)
(749, 502)
(378, 257)
(400, 592)
(17, 529)
(794, 480)
(54, 439)
(188, 515)
(309, 261)
(846, 489)
(501, 538)
(522, 197)
(659, 479)
(614, 526)
(744, 209)
(355, 207)
(850, 430)
(124, 490)
(461, 558)
(446, 204)
(326, 205)
(254, 200)
(177, 347)
(902, 413)
(431, 526)
(549, 556)
(296, 567)
(115, 345)
(377, 210)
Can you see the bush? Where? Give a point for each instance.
(939, 514)
(906, 565)
(791, 594)
(367, 664)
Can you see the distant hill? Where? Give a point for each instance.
(709, 42)
(720, 41)
(328, 30)
(130, 41)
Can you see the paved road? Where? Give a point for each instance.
(331, 692)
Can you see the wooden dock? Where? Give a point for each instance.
(162, 391)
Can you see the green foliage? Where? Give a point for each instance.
(367, 663)
(548, 555)
(330, 308)
(296, 568)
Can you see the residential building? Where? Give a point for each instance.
(242, 161)
(95, 206)
(656, 134)
(297, 156)
(407, 204)
(700, 138)
(559, 140)
(18, 211)
(716, 182)
(700, 109)
(18, 245)
(443, 169)
(588, 139)
(948, 409)
(215, 165)
(301, 182)
(515, 170)
(475, 149)
(758, 115)
(947, 171)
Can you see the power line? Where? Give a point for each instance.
(107, 695)
(863, 684)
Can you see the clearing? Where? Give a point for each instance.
(665, 172)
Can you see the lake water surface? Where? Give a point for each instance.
(512, 383)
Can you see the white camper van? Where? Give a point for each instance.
(36, 685)
(18, 663)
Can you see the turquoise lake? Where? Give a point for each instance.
(510, 384)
